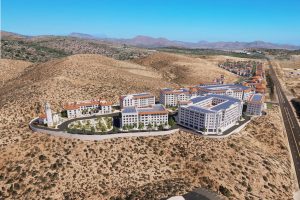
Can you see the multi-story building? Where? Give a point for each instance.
(137, 100)
(255, 104)
(233, 90)
(169, 97)
(81, 108)
(210, 114)
(154, 114)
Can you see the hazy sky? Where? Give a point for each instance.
(186, 20)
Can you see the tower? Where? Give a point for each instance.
(48, 114)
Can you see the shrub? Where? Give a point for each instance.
(224, 191)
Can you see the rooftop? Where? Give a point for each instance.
(225, 87)
(77, 105)
(256, 98)
(137, 96)
(155, 109)
(225, 104)
(175, 91)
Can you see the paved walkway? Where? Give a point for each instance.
(61, 130)
(58, 132)
(198, 194)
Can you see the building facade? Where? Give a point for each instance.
(238, 91)
(210, 114)
(255, 104)
(137, 100)
(169, 97)
(154, 115)
(48, 118)
(82, 108)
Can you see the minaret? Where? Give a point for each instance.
(48, 114)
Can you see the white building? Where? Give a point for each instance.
(137, 100)
(210, 114)
(82, 108)
(49, 118)
(155, 114)
(255, 104)
(169, 97)
(233, 90)
(48, 114)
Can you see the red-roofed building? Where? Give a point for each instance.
(81, 108)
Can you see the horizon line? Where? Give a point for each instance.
(97, 36)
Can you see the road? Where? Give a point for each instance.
(290, 123)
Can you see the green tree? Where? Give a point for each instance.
(171, 122)
(103, 129)
(141, 125)
(88, 122)
(161, 127)
(149, 126)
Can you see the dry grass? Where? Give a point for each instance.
(282, 67)
(10, 69)
(251, 165)
(186, 70)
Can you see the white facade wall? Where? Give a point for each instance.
(254, 108)
(135, 119)
(130, 101)
(213, 122)
(158, 119)
(74, 113)
(173, 98)
(130, 119)
(239, 94)
(78, 112)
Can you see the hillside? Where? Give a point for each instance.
(45, 48)
(187, 70)
(11, 69)
(68, 79)
(249, 165)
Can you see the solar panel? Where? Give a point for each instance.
(129, 110)
(256, 97)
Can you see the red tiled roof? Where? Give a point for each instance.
(43, 116)
(77, 105)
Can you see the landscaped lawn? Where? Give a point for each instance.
(96, 125)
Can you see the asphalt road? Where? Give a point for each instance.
(290, 123)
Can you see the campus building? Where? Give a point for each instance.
(137, 100)
(255, 104)
(154, 115)
(88, 107)
(210, 114)
(48, 118)
(169, 97)
(238, 91)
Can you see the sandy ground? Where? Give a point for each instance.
(253, 164)
(187, 70)
(291, 82)
(10, 69)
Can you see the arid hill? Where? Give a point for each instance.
(45, 48)
(10, 69)
(187, 70)
(250, 165)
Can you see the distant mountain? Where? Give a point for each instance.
(83, 35)
(150, 42)
(11, 36)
